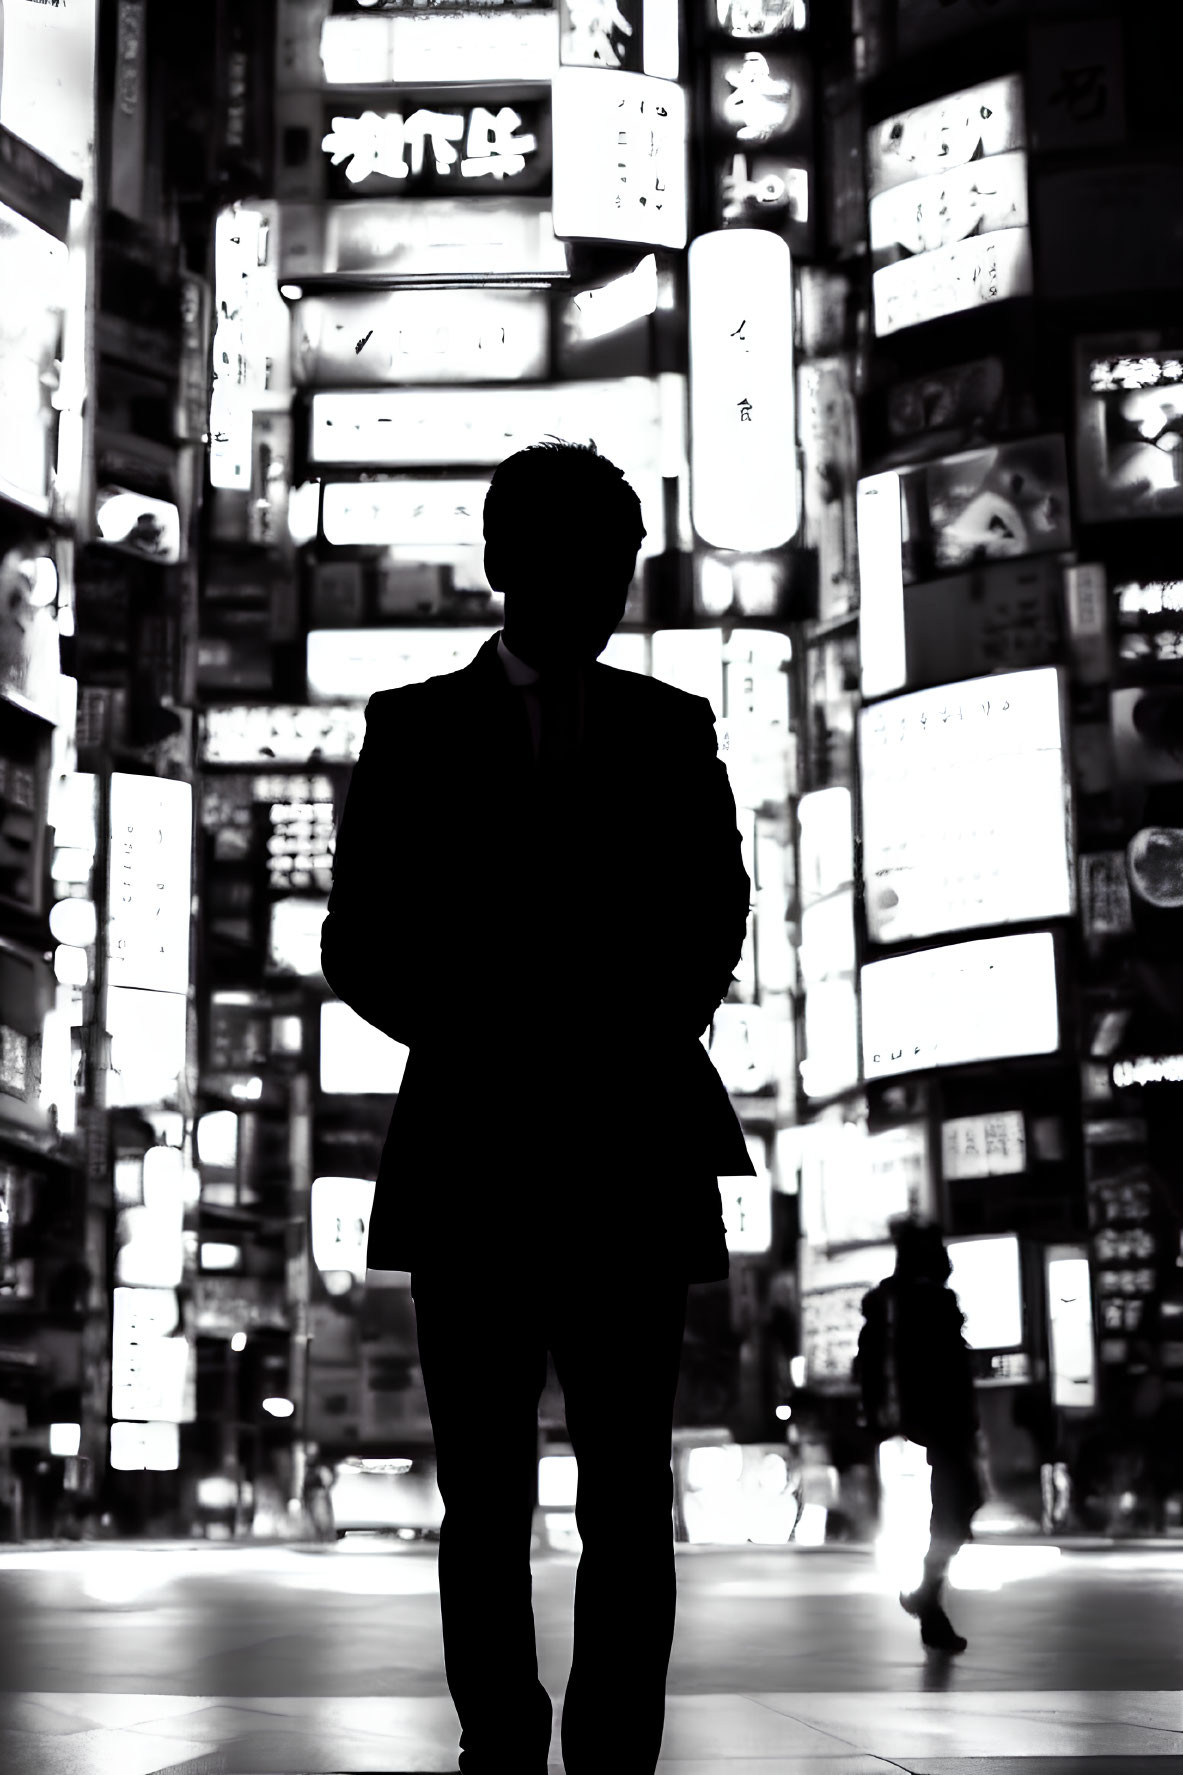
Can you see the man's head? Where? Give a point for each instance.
(920, 1251)
(562, 532)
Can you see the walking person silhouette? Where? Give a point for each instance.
(538, 887)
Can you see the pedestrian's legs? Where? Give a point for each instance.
(483, 1353)
(955, 1497)
(617, 1356)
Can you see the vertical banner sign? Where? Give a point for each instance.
(882, 647)
(149, 887)
(743, 453)
(601, 34)
(619, 157)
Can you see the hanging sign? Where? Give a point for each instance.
(619, 157)
(405, 46)
(477, 238)
(382, 336)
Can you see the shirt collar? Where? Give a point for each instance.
(516, 670)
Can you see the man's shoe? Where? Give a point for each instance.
(938, 1633)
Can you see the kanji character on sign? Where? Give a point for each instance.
(591, 24)
(753, 104)
(492, 146)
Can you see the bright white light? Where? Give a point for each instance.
(134, 1448)
(71, 966)
(714, 1466)
(965, 812)
(691, 659)
(43, 578)
(377, 513)
(139, 524)
(293, 945)
(150, 882)
(247, 1090)
(215, 1255)
(659, 38)
(1070, 1327)
(439, 48)
(743, 447)
(619, 157)
(811, 1530)
(784, 1413)
(65, 1439)
(217, 1139)
(826, 843)
(279, 1408)
(238, 1342)
(304, 512)
(981, 1567)
(346, 664)
(988, 1284)
(881, 579)
(216, 1492)
(797, 1370)
(291, 292)
(148, 1033)
(340, 1220)
(354, 1056)
(905, 1505)
(558, 1480)
(70, 865)
(990, 999)
(617, 304)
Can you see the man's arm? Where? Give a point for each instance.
(370, 943)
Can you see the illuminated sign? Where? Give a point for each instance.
(262, 734)
(379, 512)
(421, 149)
(619, 157)
(965, 807)
(1148, 1069)
(610, 307)
(761, 96)
(1129, 428)
(757, 18)
(832, 1288)
(47, 64)
(984, 1146)
(881, 583)
(145, 1448)
(356, 1058)
(481, 238)
(990, 999)
(34, 271)
(1071, 1345)
(744, 492)
(138, 524)
(445, 427)
(988, 1284)
(149, 1363)
(747, 1203)
(947, 184)
(249, 349)
(826, 956)
(417, 47)
(351, 664)
(601, 34)
(382, 336)
(149, 883)
(340, 1223)
(828, 429)
(148, 1031)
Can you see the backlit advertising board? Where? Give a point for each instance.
(1129, 427)
(603, 34)
(294, 733)
(827, 955)
(965, 807)
(377, 513)
(149, 882)
(467, 238)
(447, 335)
(349, 665)
(423, 45)
(987, 1281)
(34, 275)
(620, 144)
(947, 189)
(994, 998)
(744, 492)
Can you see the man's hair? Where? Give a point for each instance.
(560, 493)
(919, 1248)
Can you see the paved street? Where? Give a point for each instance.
(214, 1660)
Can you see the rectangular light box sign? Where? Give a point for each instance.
(355, 1057)
(994, 998)
(744, 491)
(987, 1280)
(378, 513)
(965, 807)
(349, 665)
(279, 734)
(1071, 1341)
(34, 271)
(984, 1146)
(972, 272)
(448, 335)
(439, 47)
(972, 125)
(149, 883)
(620, 144)
(477, 238)
(882, 647)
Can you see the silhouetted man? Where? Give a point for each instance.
(914, 1373)
(538, 888)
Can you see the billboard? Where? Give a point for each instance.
(965, 807)
(1129, 427)
(476, 238)
(449, 335)
(620, 145)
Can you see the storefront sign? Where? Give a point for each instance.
(744, 491)
(960, 1003)
(1007, 615)
(439, 47)
(1076, 84)
(448, 335)
(828, 429)
(356, 1059)
(341, 1223)
(148, 1362)
(827, 956)
(1072, 1351)
(148, 1033)
(984, 1146)
(446, 237)
(267, 735)
(747, 1203)
(34, 274)
(1088, 620)
(988, 1284)
(412, 146)
(374, 513)
(759, 97)
(965, 807)
(619, 157)
(1105, 895)
(138, 524)
(47, 62)
(349, 665)
(602, 34)
(149, 883)
(1129, 427)
(757, 18)
(832, 1289)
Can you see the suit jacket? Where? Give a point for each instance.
(550, 972)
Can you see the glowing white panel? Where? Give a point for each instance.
(351, 664)
(442, 237)
(47, 95)
(832, 1290)
(984, 1146)
(744, 491)
(619, 157)
(382, 512)
(965, 815)
(34, 272)
(1071, 1341)
(269, 734)
(660, 25)
(881, 582)
(149, 882)
(971, 125)
(595, 313)
(340, 1220)
(214, 1255)
(137, 524)
(988, 1284)
(148, 1044)
(443, 335)
(439, 48)
(747, 1202)
(65, 1439)
(154, 1448)
(691, 659)
(968, 274)
(355, 1058)
(991, 999)
(627, 651)
(293, 942)
(826, 843)
(148, 1362)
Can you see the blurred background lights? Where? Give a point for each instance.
(65, 1439)
(74, 921)
(279, 1408)
(238, 1341)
